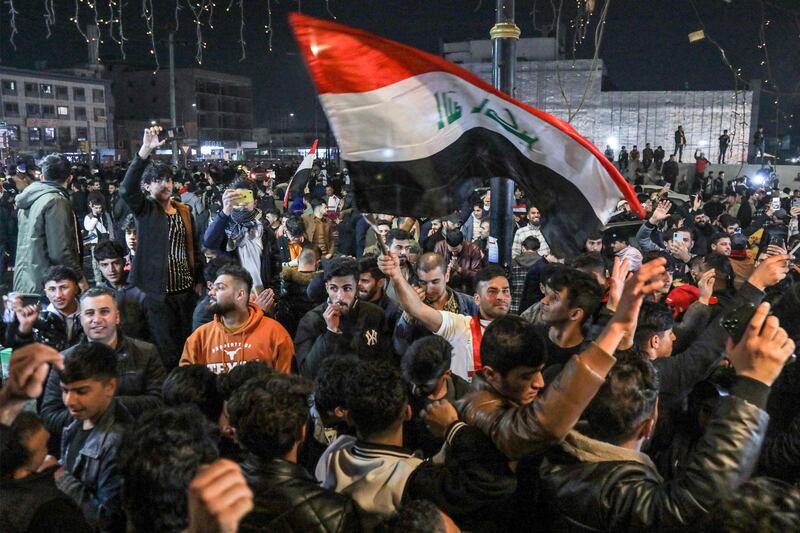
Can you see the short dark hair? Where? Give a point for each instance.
(398, 234)
(157, 171)
(15, 454)
(89, 360)
(582, 290)
(331, 381)
(453, 237)
(659, 254)
(59, 273)
(56, 167)
(96, 200)
(416, 516)
(95, 292)
(129, 224)
(625, 400)
(242, 183)
(341, 267)
(295, 226)
(726, 220)
(531, 243)
(426, 359)
(430, 261)
(237, 272)
(487, 274)
(194, 384)
(722, 267)
(369, 265)
(240, 374)
(376, 397)
(587, 262)
(268, 416)
(104, 250)
(716, 237)
(654, 318)
(510, 342)
(213, 266)
(159, 456)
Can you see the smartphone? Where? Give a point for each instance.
(27, 299)
(677, 237)
(795, 202)
(735, 322)
(172, 134)
(245, 197)
(777, 240)
(776, 203)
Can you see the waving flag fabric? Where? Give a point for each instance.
(297, 185)
(418, 132)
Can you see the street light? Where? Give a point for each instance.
(291, 115)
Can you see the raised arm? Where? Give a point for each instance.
(409, 299)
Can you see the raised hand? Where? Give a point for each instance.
(646, 281)
(150, 141)
(770, 271)
(619, 273)
(661, 212)
(28, 369)
(706, 286)
(332, 317)
(438, 416)
(218, 498)
(763, 350)
(389, 265)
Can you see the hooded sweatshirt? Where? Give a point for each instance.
(220, 349)
(48, 235)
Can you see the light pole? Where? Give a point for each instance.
(505, 34)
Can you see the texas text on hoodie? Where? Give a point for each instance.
(260, 338)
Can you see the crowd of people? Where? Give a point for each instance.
(189, 355)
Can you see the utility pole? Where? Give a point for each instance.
(172, 110)
(504, 34)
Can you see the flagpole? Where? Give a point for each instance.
(504, 34)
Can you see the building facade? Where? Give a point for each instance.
(572, 91)
(215, 109)
(45, 111)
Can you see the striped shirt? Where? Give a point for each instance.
(179, 275)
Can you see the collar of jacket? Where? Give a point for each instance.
(94, 442)
(371, 450)
(277, 469)
(589, 450)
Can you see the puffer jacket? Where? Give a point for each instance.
(518, 430)
(287, 499)
(48, 235)
(592, 485)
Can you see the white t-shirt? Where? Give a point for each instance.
(456, 330)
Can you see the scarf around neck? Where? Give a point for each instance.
(240, 223)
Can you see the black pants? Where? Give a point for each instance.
(170, 323)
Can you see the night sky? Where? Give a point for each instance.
(645, 45)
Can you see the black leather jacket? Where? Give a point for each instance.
(287, 499)
(95, 482)
(591, 485)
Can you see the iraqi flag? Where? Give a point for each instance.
(297, 185)
(419, 133)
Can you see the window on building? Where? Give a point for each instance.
(31, 89)
(81, 133)
(80, 113)
(79, 94)
(100, 135)
(32, 110)
(9, 87)
(49, 135)
(11, 109)
(99, 114)
(62, 93)
(46, 90)
(64, 134)
(34, 135)
(12, 132)
(48, 110)
(63, 111)
(98, 96)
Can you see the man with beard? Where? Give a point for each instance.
(342, 324)
(533, 228)
(240, 332)
(432, 288)
(492, 296)
(398, 241)
(241, 231)
(372, 288)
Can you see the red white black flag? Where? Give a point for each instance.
(418, 132)
(297, 185)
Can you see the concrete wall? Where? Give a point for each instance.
(626, 118)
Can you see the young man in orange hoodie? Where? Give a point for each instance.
(240, 332)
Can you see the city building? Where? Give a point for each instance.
(45, 111)
(573, 91)
(215, 109)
